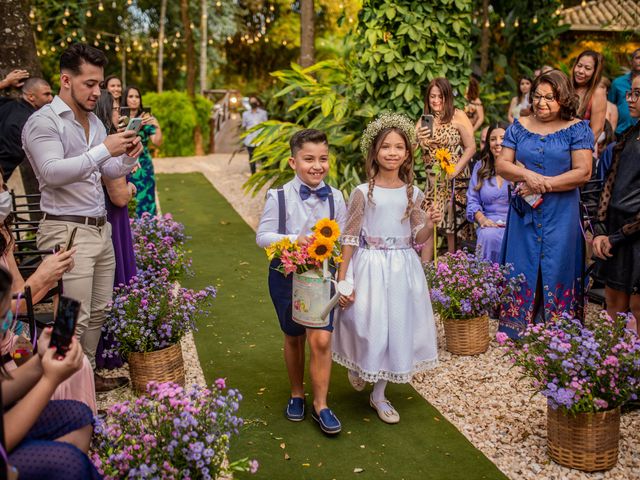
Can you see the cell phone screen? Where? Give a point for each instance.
(135, 124)
(427, 121)
(65, 324)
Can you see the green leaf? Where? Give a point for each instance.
(327, 104)
(390, 12)
(409, 92)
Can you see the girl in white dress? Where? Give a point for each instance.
(385, 331)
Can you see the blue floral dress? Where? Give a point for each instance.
(144, 178)
(546, 241)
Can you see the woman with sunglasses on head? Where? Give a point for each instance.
(144, 177)
(549, 154)
(43, 438)
(617, 226)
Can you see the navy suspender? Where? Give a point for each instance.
(282, 211)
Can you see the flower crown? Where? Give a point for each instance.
(387, 120)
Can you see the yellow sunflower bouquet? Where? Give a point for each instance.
(321, 252)
(443, 164)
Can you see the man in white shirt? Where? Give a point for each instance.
(69, 150)
(250, 119)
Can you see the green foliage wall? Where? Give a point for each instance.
(403, 45)
(178, 118)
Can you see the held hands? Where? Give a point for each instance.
(126, 142)
(602, 247)
(57, 369)
(534, 183)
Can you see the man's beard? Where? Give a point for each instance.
(80, 104)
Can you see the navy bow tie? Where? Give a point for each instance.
(322, 193)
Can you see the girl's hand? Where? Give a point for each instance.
(433, 216)
(345, 300)
(43, 341)
(56, 369)
(602, 247)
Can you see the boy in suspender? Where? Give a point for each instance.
(290, 211)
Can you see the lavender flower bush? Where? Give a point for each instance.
(465, 286)
(149, 314)
(577, 368)
(159, 242)
(171, 433)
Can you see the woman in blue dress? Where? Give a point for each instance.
(144, 177)
(488, 196)
(549, 153)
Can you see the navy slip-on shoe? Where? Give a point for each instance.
(327, 420)
(295, 409)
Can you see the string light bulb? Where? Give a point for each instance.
(74, 34)
(89, 14)
(106, 46)
(64, 21)
(114, 5)
(487, 24)
(117, 49)
(128, 49)
(584, 3)
(98, 36)
(53, 49)
(100, 7)
(83, 38)
(129, 2)
(96, 43)
(516, 24)
(117, 39)
(39, 28)
(66, 12)
(271, 8)
(210, 42)
(32, 14)
(218, 4)
(535, 19)
(502, 25)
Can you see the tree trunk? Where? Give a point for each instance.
(485, 38)
(307, 33)
(203, 46)
(191, 54)
(191, 70)
(18, 50)
(163, 19)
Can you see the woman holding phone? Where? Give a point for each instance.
(443, 126)
(549, 154)
(144, 177)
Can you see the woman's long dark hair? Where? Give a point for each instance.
(104, 111)
(487, 168)
(123, 99)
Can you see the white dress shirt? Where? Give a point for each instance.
(251, 119)
(301, 214)
(68, 168)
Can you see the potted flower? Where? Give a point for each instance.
(464, 290)
(147, 319)
(159, 242)
(586, 374)
(170, 432)
(311, 264)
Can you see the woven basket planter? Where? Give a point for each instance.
(467, 337)
(586, 441)
(164, 365)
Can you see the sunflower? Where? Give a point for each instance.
(327, 230)
(443, 157)
(320, 249)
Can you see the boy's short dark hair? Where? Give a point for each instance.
(77, 54)
(308, 135)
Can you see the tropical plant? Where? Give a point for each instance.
(579, 368)
(401, 46)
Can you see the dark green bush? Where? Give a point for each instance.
(178, 117)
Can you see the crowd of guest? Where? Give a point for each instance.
(89, 166)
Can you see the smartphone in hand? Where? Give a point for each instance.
(68, 245)
(64, 326)
(135, 124)
(426, 121)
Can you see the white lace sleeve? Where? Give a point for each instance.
(417, 217)
(355, 217)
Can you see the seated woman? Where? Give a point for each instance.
(49, 272)
(488, 197)
(44, 438)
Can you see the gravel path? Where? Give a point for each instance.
(482, 396)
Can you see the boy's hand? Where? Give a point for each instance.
(303, 240)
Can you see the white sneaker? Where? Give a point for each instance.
(356, 382)
(385, 410)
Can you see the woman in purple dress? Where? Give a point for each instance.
(118, 193)
(488, 197)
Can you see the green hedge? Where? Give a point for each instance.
(178, 117)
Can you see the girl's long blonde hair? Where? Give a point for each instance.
(406, 169)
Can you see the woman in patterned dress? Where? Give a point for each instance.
(452, 131)
(144, 177)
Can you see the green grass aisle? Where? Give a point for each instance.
(241, 341)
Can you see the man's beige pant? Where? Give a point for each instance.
(90, 281)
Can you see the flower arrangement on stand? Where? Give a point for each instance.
(148, 318)
(311, 264)
(170, 433)
(586, 373)
(465, 290)
(159, 242)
